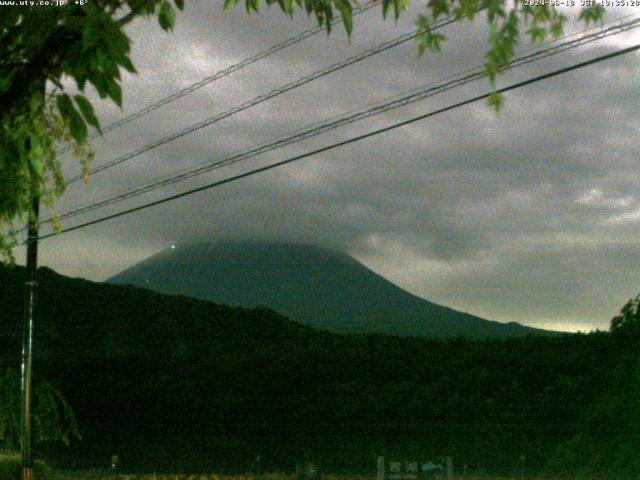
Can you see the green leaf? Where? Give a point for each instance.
(166, 16)
(73, 118)
(115, 43)
(592, 14)
(492, 70)
(106, 64)
(35, 103)
(100, 82)
(64, 105)
(557, 27)
(347, 16)
(36, 157)
(400, 6)
(179, 4)
(537, 34)
(434, 41)
(22, 151)
(78, 128)
(386, 6)
(87, 111)
(90, 35)
(126, 63)
(439, 8)
(496, 100)
(252, 5)
(115, 92)
(428, 40)
(81, 80)
(229, 4)
(287, 6)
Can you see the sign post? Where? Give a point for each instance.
(380, 468)
(412, 470)
(403, 471)
(449, 463)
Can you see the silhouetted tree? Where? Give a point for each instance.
(627, 323)
(54, 421)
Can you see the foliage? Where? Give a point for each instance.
(44, 45)
(53, 419)
(627, 323)
(11, 465)
(609, 429)
(28, 164)
(506, 20)
(180, 384)
(608, 435)
(86, 42)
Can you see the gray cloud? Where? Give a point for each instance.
(530, 215)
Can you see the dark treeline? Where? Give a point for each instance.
(172, 383)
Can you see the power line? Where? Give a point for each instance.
(262, 98)
(345, 119)
(220, 74)
(223, 73)
(351, 140)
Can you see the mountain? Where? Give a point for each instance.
(322, 288)
(174, 384)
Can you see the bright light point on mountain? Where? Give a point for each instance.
(173, 246)
(266, 273)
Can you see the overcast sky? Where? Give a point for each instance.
(532, 215)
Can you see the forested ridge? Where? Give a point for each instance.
(169, 382)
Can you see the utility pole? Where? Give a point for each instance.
(30, 285)
(27, 333)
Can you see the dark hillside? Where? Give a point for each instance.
(176, 384)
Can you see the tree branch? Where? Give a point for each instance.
(136, 10)
(127, 18)
(40, 66)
